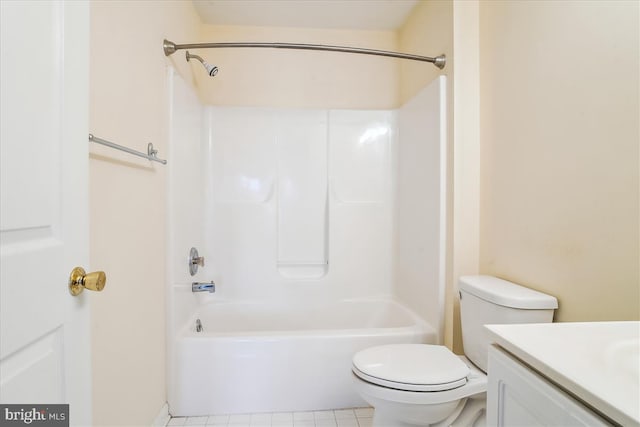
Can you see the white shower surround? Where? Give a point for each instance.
(372, 184)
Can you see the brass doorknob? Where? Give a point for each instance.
(79, 280)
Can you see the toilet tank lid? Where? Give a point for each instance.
(506, 293)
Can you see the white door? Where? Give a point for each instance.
(44, 331)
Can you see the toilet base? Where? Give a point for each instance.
(467, 413)
(406, 415)
(473, 414)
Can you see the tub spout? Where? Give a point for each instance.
(203, 287)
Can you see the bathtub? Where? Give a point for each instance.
(258, 357)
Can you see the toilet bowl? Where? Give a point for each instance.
(428, 385)
(405, 392)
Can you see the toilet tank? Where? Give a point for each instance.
(487, 300)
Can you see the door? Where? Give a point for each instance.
(44, 331)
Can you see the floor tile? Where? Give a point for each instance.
(364, 412)
(302, 416)
(323, 415)
(243, 420)
(356, 417)
(344, 413)
(194, 421)
(347, 422)
(261, 417)
(282, 419)
(260, 420)
(282, 416)
(326, 422)
(218, 420)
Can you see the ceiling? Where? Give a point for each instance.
(333, 14)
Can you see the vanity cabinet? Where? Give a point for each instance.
(519, 396)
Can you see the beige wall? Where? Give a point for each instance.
(297, 78)
(128, 105)
(429, 31)
(466, 156)
(559, 162)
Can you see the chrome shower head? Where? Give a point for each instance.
(211, 69)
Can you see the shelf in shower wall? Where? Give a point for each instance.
(302, 263)
(303, 269)
(302, 195)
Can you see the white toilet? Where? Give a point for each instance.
(422, 385)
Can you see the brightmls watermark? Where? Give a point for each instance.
(34, 415)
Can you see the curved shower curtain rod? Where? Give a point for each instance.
(439, 61)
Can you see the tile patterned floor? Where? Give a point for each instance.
(357, 417)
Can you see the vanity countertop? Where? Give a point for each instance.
(598, 362)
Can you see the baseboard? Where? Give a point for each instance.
(163, 417)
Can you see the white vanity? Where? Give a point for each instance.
(563, 374)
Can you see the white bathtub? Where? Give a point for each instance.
(270, 358)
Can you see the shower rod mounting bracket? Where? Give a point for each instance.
(170, 48)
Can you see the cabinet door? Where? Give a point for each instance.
(517, 396)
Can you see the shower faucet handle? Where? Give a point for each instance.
(195, 260)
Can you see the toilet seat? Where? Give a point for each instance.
(411, 367)
(476, 384)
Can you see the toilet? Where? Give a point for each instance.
(423, 385)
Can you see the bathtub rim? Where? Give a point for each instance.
(418, 325)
